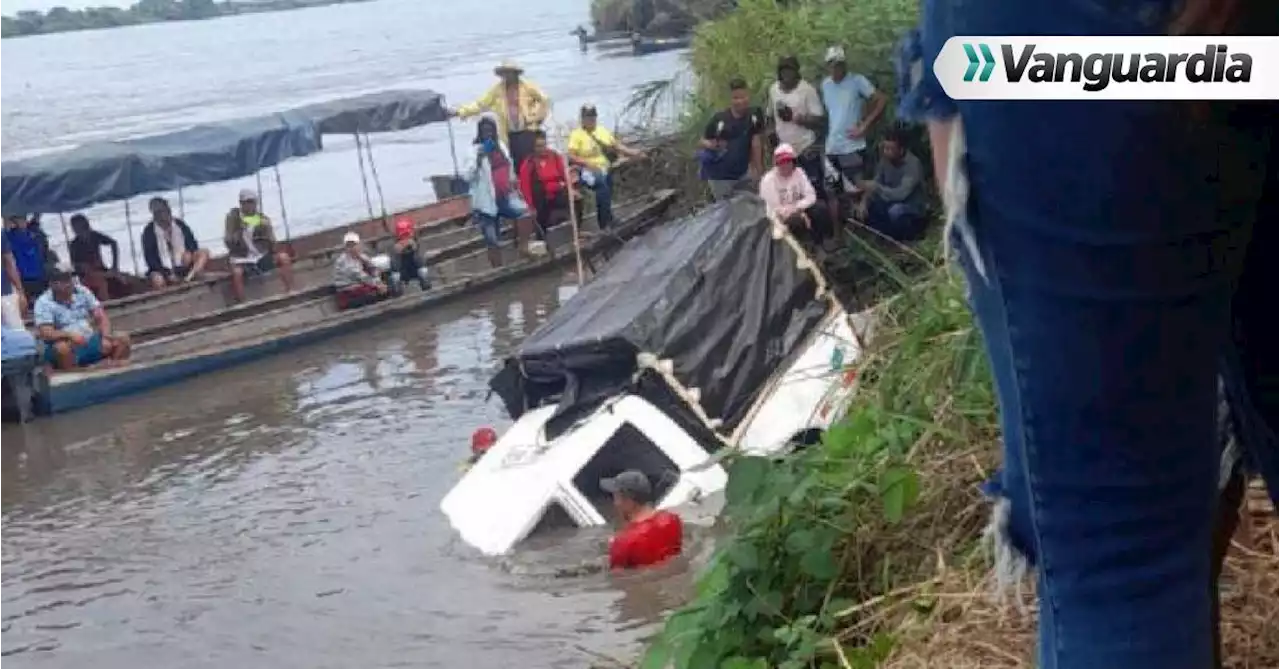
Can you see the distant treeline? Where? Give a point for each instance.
(61, 19)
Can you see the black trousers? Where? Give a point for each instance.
(521, 145)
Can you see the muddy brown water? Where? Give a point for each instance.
(285, 514)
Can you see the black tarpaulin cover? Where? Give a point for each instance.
(386, 111)
(713, 292)
(106, 171)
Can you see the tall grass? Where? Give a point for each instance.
(834, 545)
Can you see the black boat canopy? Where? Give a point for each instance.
(386, 111)
(713, 293)
(106, 171)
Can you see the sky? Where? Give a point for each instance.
(11, 7)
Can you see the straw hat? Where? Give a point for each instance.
(508, 65)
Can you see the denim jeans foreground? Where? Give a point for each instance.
(1100, 241)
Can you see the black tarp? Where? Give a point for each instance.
(387, 111)
(713, 292)
(106, 171)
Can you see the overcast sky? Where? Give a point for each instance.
(10, 7)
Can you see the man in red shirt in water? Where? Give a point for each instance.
(650, 536)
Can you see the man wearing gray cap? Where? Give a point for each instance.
(650, 536)
(251, 245)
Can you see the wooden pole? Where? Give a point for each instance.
(573, 209)
(128, 226)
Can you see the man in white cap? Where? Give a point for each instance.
(519, 106)
(354, 276)
(251, 245)
(853, 107)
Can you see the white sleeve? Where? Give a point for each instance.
(810, 195)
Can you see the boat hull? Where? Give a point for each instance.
(167, 359)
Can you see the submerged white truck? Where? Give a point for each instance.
(713, 332)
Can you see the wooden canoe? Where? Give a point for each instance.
(251, 331)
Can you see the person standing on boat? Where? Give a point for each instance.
(544, 182)
(354, 276)
(30, 250)
(520, 108)
(170, 248)
(14, 302)
(85, 250)
(650, 536)
(251, 245)
(74, 326)
(594, 150)
(494, 189)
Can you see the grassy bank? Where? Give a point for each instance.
(864, 551)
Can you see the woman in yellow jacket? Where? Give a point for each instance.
(519, 107)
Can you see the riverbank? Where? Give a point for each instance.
(61, 19)
(865, 551)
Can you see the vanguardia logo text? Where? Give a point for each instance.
(1098, 70)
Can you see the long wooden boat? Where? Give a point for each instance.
(207, 343)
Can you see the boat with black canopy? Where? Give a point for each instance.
(715, 332)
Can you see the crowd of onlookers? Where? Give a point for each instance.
(818, 137)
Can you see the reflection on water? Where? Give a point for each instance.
(284, 514)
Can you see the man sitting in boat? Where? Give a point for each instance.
(594, 150)
(74, 326)
(30, 249)
(494, 191)
(788, 194)
(650, 536)
(354, 276)
(408, 264)
(520, 108)
(85, 250)
(251, 245)
(170, 248)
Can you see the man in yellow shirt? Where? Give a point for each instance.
(594, 150)
(519, 106)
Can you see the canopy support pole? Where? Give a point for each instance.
(377, 183)
(258, 177)
(182, 205)
(453, 149)
(284, 214)
(128, 226)
(364, 181)
(66, 237)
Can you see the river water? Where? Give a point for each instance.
(285, 514)
(70, 88)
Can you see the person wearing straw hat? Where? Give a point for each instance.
(519, 106)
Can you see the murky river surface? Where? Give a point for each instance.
(285, 514)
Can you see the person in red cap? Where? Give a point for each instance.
(407, 261)
(789, 194)
(481, 441)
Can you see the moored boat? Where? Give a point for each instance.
(715, 333)
(643, 46)
(249, 331)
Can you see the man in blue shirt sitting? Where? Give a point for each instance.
(74, 326)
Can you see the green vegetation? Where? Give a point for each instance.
(61, 19)
(654, 17)
(838, 548)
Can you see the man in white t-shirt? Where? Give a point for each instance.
(788, 194)
(798, 117)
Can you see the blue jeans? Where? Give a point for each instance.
(1100, 241)
(491, 224)
(601, 183)
(900, 220)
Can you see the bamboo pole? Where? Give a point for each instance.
(573, 213)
